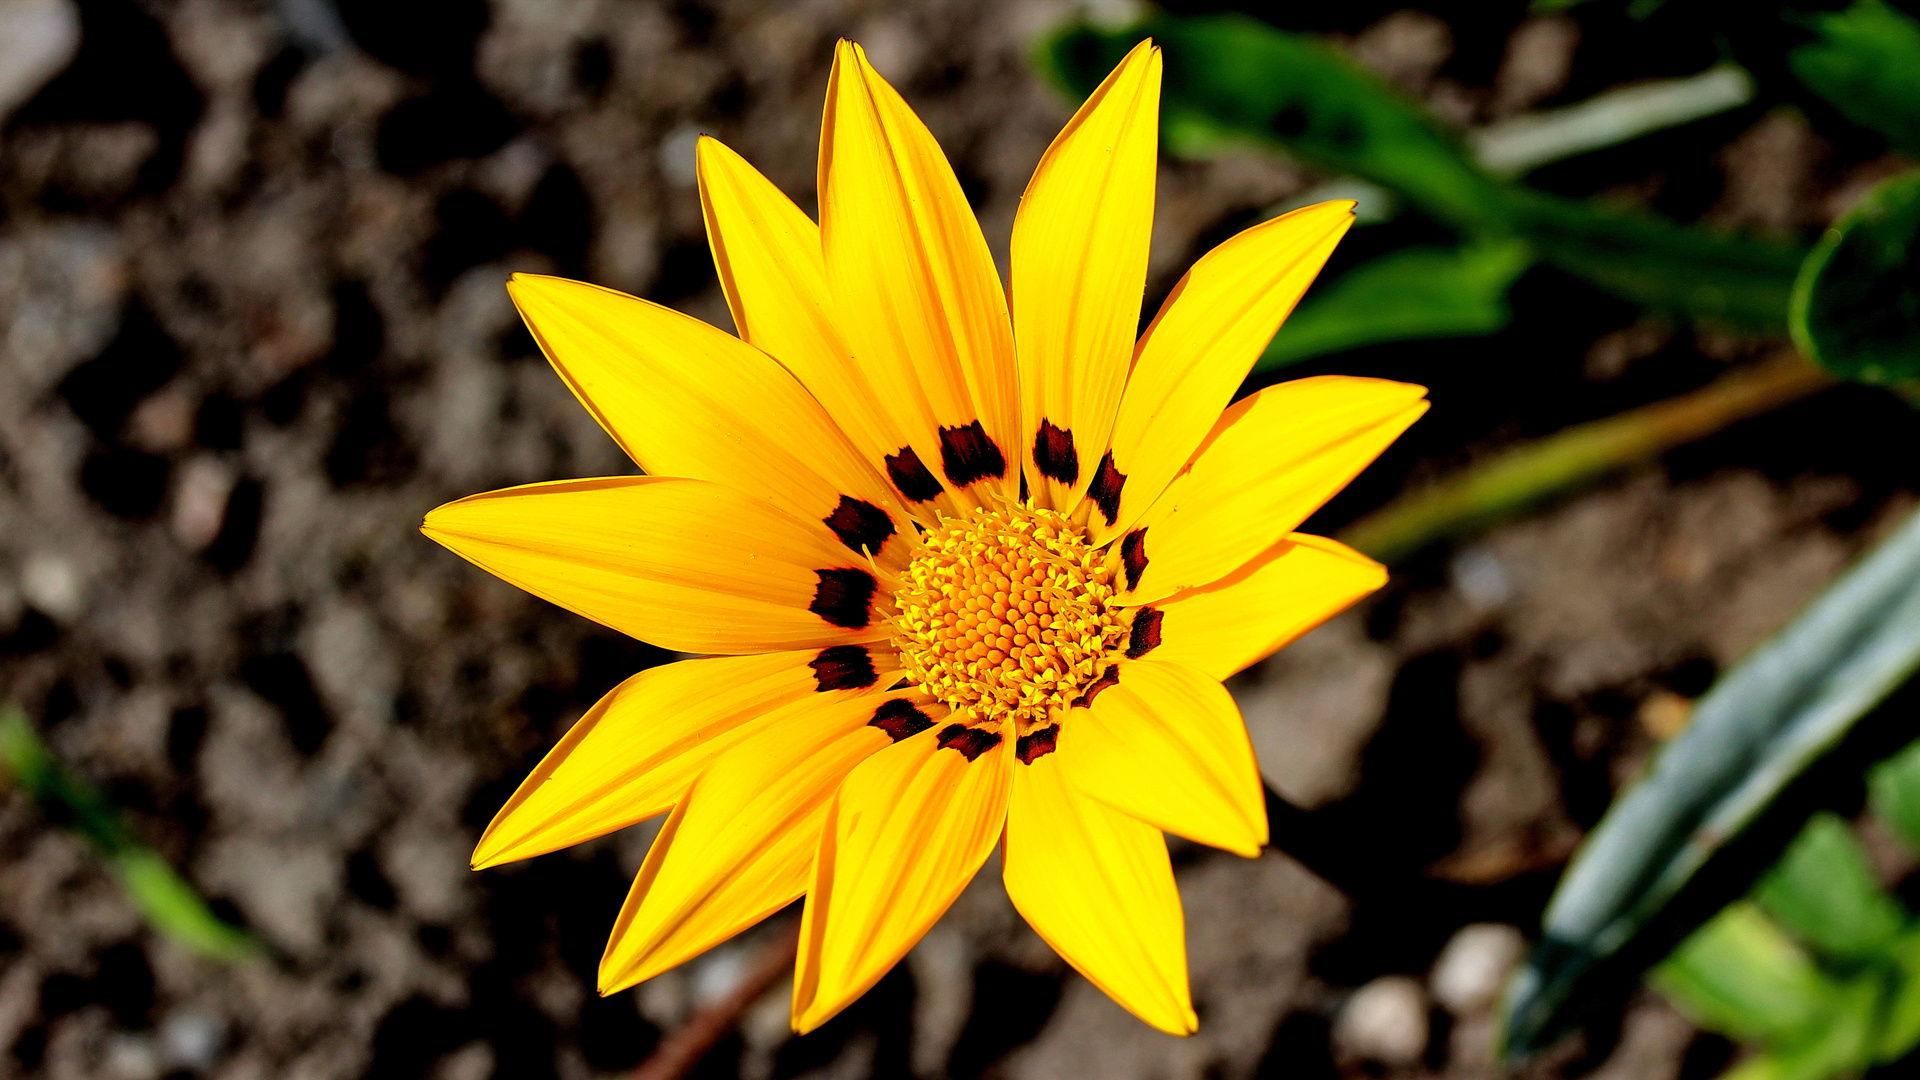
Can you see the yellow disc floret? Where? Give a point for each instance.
(1006, 614)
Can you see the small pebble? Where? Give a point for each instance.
(1384, 1021)
(37, 39)
(53, 584)
(1472, 969)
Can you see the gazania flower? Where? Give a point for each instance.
(968, 564)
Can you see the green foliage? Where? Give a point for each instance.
(1742, 975)
(1231, 81)
(1413, 293)
(1821, 969)
(1856, 305)
(1717, 804)
(1866, 62)
(1824, 891)
(163, 897)
(1895, 787)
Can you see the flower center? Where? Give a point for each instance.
(1006, 614)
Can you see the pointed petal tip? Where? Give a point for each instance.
(609, 980)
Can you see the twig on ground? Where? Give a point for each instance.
(679, 1052)
(1543, 469)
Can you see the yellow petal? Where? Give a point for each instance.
(906, 832)
(635, 752)
(1272, 459)
(1258, 609)
(1198, 349)
(767, 253)
(740, 846)
(1097, 886)
(914, 288)
(685, 564)
(1079, 267)
(685, 399)
(1166, 744)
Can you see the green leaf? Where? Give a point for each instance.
(1232, 82)
(1696, 272)
(1840, 1045)
(1900, 1019)
(1724, 798)
(1866, 63)
(162, 896)
(1741, 975)
(1895, 788)
(1856, 304)
(1825, 891)
(1411, 294)
(176, 910)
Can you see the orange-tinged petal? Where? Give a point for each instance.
(1198, 349)
(685, 399)
(906, 832)
(1079, 267)
(740, 846)
(1258, 609)
(914, 288)
(635, 752)
(767, 253)
(1096, 884)
(1272, 459)
(685, 564)
(1166, 744)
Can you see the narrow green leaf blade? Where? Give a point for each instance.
(1856, 303)
(1714, 809)
(1231, 80)
(1407, 295)
(176, 910)
(164, 898)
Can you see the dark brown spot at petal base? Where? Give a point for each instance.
(860, 525)
(844, 597)
(1109, 677)
(967, 454)
(970, 741)
(910, 475)
(1144, 637)
(1105, 489)
(844, 667)
(1036, 744)
(900, 719)
(1053, 453)
(1133, 556)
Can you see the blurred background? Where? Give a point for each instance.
(252, 327)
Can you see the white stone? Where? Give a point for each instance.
(191, 1039)
(1384, 1021)
(37, 41)
(1472, 969)
(200, 501)
(678, 155)
(53, 584)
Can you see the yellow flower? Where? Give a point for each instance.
(970, 563)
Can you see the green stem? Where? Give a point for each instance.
(1545, 468)
(162, 895)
